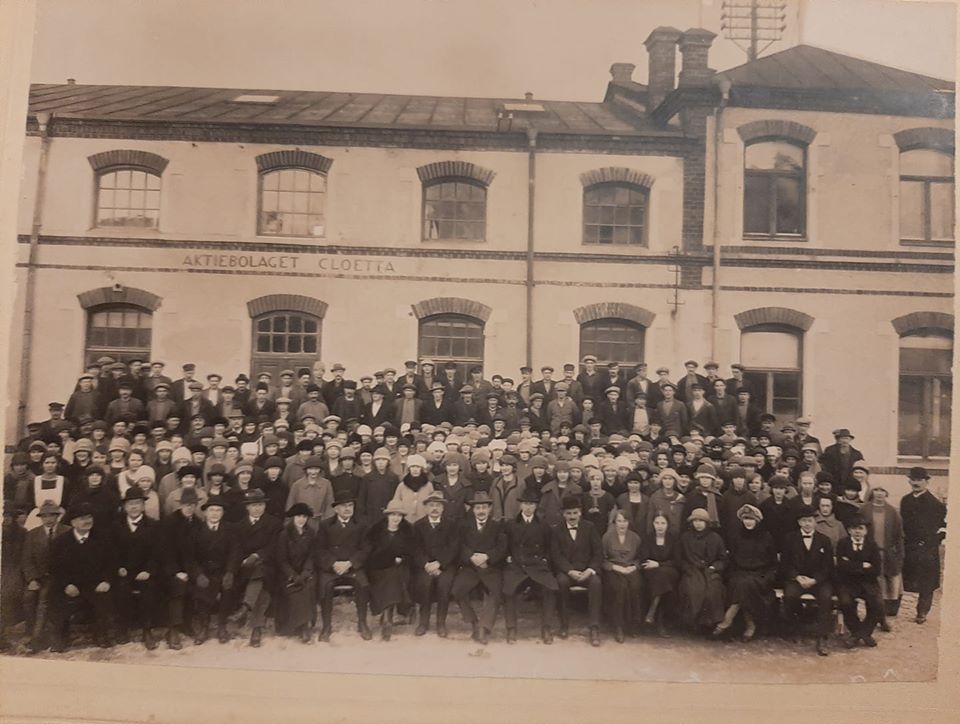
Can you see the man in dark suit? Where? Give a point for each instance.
(612, 412)
(260, 403)
(807, 562)
(528, 564)
(437, 409)
(333, 389)
(639, 383)
(178, 532)
(257, 535)
(342, 550)
(671, 413)
(545, 385)
(924, 527)
(838, 459)
(592, 382)
(179, 390)
(735, 381)
(214, 568)
(136, 539)
(379, 411)
(858, 567)
(577, 558)
(81, 571)
(748, 415)
(701, 412)
(408, 407)
(437, 545)
(483, 549)
(615, 377)
(126, 406)
(465, 408)
(724, 403)
(35, 566)
(691, 378)
(196, 404)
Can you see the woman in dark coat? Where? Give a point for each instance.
(702, 560)
(886, 528)
(295, 562)
(378, 488)
(660, 568)
(391, 555)
(752, 570)
(597, 503)
(621, 573)
(633, 505)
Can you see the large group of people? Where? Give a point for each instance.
(145, 503)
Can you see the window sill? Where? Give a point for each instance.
(453, 241)
(780, 238)
(289, 237)
(638, 247)
(929, 243)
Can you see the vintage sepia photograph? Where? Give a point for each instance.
(605, 341)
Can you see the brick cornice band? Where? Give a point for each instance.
(910, 139)
(613, 174)
(922, 320)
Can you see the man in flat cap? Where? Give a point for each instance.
(332, 390)
(924, 528)
(671, 413)
(545, 385)
(700, 411)
(126, 406)
(84, 401)
(260, 403)
(178, 532)
(138, 548)
(212, 391)
(407, 409)
(689, 379)
(436, 556)
(735, 381)
(483, 549)
(35, 566)
(592, 383)
(257, 534)
(161, 406)
(180, 389)
(155, 377)
(215, 562)
(196, 404)
(562, 410)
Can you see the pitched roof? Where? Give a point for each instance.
(318, 108)
(811, 68)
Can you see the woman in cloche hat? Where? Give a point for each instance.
(391, 556)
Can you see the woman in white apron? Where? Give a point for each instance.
(46, 486)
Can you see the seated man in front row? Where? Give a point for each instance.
(807, 562)
(577, 557)
(858, 567)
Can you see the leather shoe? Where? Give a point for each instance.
(868, 640)
(476, 632)
(148, 640)
(885, 626)
(484, 637)
(822, 646)
(618, 635)
(564, 631)
(547, 636)
(511, 636)
(305, 634)
(442, 629)
(173, 639)
(223, 636)
(255, 637)
(921, 618)
(201, 636)
(594, 636)
(324, 634)
(58, 647)
(421, 629)
(364, 630)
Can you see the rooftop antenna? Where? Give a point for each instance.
(754, 25)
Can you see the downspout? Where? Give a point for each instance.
(531, 194)
(26, 349)
(724, 84)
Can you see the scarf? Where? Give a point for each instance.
(415, 483)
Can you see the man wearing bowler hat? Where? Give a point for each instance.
(807, 564)
(858, 568)
(436, 541)
(214, 569)
(178, 531)
(342, 550)
(924, 527)
(257, 535)
(838, 459)
(137, 543)
(528, 565)
(81, 564)
(577, 557)
(483, 549)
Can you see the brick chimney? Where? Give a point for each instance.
(662, 66)
(694, 48)
(622, 72)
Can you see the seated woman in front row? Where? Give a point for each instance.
(660, 555)
(702, 560)
(621, 574)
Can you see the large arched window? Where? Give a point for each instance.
(455, 209)
(926, 196)
(127, 188)
(285, 339)
(774, 188)
(612, 340)
(773, 357)
(615, 212)
(292, 202)
(452, 338)
(925, 392)
(121, 331)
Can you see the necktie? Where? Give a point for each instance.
(213, 528)
(857, 547)
(50, 534)
(83, 540)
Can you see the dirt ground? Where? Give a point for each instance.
(908, 653)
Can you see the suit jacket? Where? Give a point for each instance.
(725, 409)
(576, 555)
(850, 569)
(398, 410)
(215, 553)
(336, 542)
(432, 415)
(177, 533)
(593, 385)
(840, 471)
(636, 385)
(613, 418)
(381, 417)
(84, 565)
(269, 408)
(547, 389)
(529, 544)
(673, 418)
(557, 414)
(441, 544)
(492, 541)
(705, 417)
(179, 390)
(138, 550)
(330, 391)
(748, 424)
(260, 538)
(207, 409)
(35, 561)
(115, 411)
(683, 387)
(796, 560)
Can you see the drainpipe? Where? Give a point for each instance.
(531, 189)
(26, 349)
(724, 84)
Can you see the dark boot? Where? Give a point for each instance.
(223, 636)
(324, 632)
(386, 625)
(148, 640)
(618, 635)
(511, 636)
(255, 637)
(364, 629)
(547, 635)
(173, 639)
(424, 622)
(822, 646)
(476, 632)
(441, 621)
(305, 634)
(203, 631)
(594, 635)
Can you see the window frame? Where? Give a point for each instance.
(98, 175)
(644, 243)
(773, 234)
(929, 379)
(92, 352)
(770, 372)
(262, 173)
(927, 210)
(627, 323)
(465, 362)
(440, 180)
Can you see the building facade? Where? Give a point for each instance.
(794, 214)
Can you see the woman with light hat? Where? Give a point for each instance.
(668, 501)
(144, 480)
(378, 489)
(886, 529)
(414, 488)
(388, 565)
(702, 561)
(297, 573)
(751, 573)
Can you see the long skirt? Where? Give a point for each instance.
(389, 587)
(660, 580)
(752, 590)
(623, 594)
(298, 605)
(701, 596)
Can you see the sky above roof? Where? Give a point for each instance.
(560, 49)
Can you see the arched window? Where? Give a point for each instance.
(773, 357)
(284, 339)
(613, 340)
(926, 196)
(452, 338)
(121, 331)
(292, 202)
(615, 213)
(455, 209)
(774, 188)
(128, 197)
(925, 392)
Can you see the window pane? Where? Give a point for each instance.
(612, 340)
(770, 350)
(786, 384)
(941, 396)
(789, 206)
(926, 162)
(910, 407)
(451, 338)
(757, 199)
(292, 203)
(925, 361)
(758, 382)
(941, 211)
(774, 155)
(911, 210)
(310, 344)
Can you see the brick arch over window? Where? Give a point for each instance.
(922, 320)
(125, 295)
(616, 174)
(913, 138)
(127, 157)
(614, 310)
(774, 315)
(451, 305)
(770, 128)
(286, 303)
(293, 159)
(450, 169)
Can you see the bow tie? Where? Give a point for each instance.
(807, 536)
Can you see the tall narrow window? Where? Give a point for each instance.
(615, 213)
(121, 331)
(284, 339)
(926, 197)
(926, 384)
(292, 202)
(452, 338)
(128, 197)
(773, 357)
(774, 183)
(454, 209)
(612, 340)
